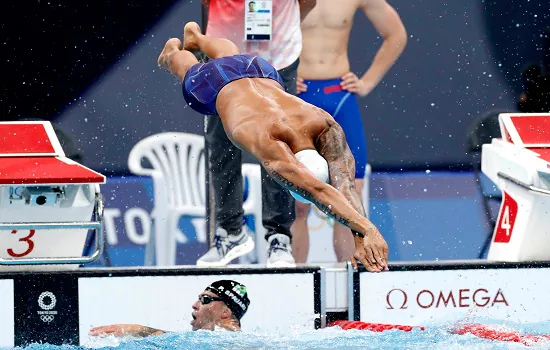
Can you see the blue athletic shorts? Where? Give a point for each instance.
(342, 105)
(203, 81)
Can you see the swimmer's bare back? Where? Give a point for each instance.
(260, 118)
(252, 109)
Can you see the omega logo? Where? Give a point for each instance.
(398, 299)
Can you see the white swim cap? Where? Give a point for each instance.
(318, 165)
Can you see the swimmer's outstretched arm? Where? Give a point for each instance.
(280, 163)
(122, 330)
(332, 146)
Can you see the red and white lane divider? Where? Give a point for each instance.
(476, 329)
(373, 327)
(489, 332)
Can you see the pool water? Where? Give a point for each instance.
(328, 338)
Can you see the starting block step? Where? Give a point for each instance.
(45, 170)
(525, 129)
(28, 138)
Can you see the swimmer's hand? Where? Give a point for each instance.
(300, 85)
(372, 251)
(350, 82)
(122, 330)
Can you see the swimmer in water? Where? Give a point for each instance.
(220, 306)
(301, 146)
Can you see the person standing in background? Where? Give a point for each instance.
(272, 31)
(326, 81)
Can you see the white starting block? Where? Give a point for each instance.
(47, 201)
(519, 164)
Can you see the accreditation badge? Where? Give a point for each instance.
(258, 19)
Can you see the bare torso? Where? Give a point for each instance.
(257, 111)
(325, 34)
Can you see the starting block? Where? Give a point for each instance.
(519, 164)
(48, 203)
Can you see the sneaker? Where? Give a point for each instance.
(226, 248)
(279, 253)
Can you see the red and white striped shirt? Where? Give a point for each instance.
(226, 20)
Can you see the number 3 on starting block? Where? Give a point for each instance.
(25, 239)
(506, 219)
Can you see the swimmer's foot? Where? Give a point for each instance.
(191, 33)
(172, 45)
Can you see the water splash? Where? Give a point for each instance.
(435, 337)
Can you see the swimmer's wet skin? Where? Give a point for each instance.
(220, 306)
(272, 125)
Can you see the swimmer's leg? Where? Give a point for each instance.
(213, 47)
(300, 233)
(176, 60)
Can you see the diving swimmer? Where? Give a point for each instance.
(292, 139)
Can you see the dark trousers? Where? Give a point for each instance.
(226, 182)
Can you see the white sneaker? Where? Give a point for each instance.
(226, 248)
(279, 253)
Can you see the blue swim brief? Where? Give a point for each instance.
(203, 81)
(342, 105)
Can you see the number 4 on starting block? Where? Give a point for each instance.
(506, 219)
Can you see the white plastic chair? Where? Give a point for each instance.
(176, 163)
(177, 167)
